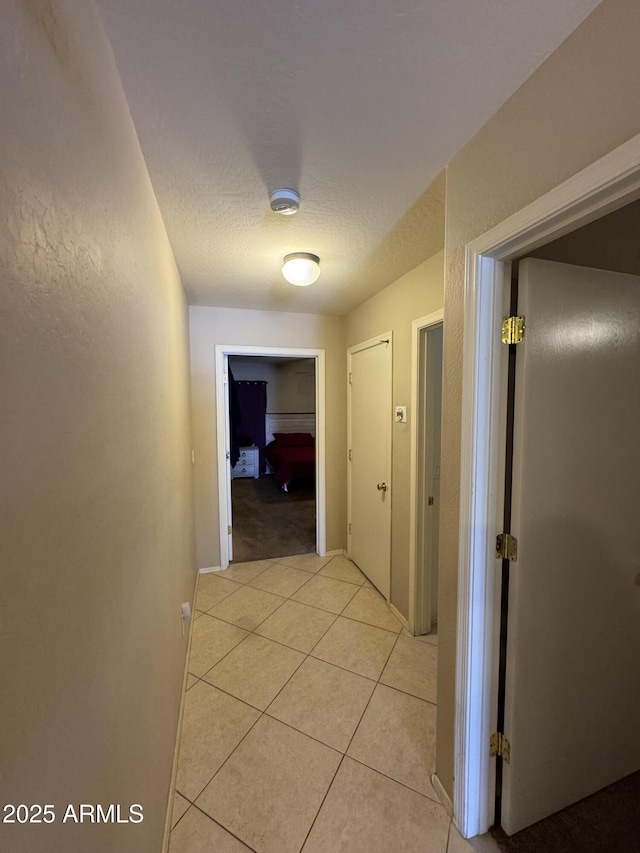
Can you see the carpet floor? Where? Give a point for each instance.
(268, 522)
(605, 822)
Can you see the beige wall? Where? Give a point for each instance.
(580, 104)
(414, 295)
(610, 243)
(211, 326)
(295, 391)
(96, 550)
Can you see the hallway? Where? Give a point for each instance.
(309, 718)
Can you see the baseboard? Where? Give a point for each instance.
(209, 569)
(174, 768)
(445, 799)
(399, 616)
(337, 553)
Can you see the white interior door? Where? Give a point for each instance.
(572, 689)
(370, 467)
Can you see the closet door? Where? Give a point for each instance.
(370, 464)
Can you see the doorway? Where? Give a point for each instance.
(424, 511)
(244, 456)
(272, 427)
(602, 188)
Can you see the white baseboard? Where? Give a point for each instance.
(399, 616)
(209, 569)
(337, 553)
(174, 768)
(445, 799)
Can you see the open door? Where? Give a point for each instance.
(573, 641)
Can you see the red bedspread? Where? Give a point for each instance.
(290, 463)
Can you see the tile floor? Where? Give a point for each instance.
(309, 720)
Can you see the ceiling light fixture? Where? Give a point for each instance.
(286, 202)
(301, 268)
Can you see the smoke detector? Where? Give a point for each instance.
(286, 202)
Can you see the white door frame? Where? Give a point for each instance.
(370, 342)
(600, 188)
(223, 444)
(430, 320)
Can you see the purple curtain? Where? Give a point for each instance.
(252, 403)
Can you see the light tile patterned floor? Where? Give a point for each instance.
(309, 719)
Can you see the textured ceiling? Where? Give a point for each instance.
(357, 104)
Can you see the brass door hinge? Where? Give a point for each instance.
(499, 745)
(349, 456)
(506, 547)
(229, 529)
(512, 330)
(349, 379)
(349, 528)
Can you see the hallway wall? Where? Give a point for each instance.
(233, 326)
(96, 548)
(579, 105)
(414, 295)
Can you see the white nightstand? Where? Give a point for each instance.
(248, 465)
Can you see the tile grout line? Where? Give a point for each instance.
(407, 693)
(250, 630)
(306, 734)
(175, 791)
(369, 700)
(276, 562)
(326, 794)
(433, 799)
(249, 634)
(260, 713)
(288, 597)
(294, 648)
(217, 822)
(344, 668)
(225, 655)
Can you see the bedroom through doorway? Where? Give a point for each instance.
(272, 435)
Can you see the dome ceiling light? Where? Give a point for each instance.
(301, 268)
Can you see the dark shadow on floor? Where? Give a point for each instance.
(605, 822)
(268, 522)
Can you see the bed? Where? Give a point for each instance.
(292, 455)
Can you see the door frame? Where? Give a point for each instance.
(604, 186)
(222, 352)
(386, 337)
(416, 579)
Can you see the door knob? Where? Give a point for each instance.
(382, 487)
